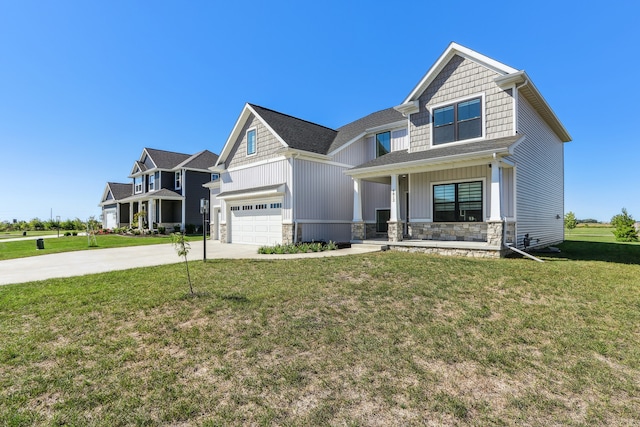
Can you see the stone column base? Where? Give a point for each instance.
(358, 231)
(288, 234)
(395, 231)
(223, 233)
(494, 233)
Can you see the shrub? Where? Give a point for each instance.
(162, 230)
(296, 248)
(176, 228)
(625, 230)
(74, 233)
(67, 233)
(190, 229)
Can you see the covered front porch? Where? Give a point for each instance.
(153, 210)
(421, 202)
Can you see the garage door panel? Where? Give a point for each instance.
(250, 224)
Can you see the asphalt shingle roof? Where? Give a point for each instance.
(297, 133)
(120, 190)
(202, 160)
(403, 156)
(166, 159)
(349, 131)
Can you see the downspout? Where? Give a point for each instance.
(293, 203)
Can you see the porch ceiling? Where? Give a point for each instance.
(455, 155)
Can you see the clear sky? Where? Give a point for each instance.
(86, 85)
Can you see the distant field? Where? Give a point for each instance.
(592, 233)
(14, 234)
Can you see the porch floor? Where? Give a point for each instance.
(442, 244)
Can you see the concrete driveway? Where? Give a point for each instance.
(79, 263)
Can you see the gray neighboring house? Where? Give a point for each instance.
(471, 161)
(114, 212)
(167, 186)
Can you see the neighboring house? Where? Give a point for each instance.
(471, 161)
(114, 213)
(167, 187)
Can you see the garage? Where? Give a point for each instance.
(110, 218)
(256, 222)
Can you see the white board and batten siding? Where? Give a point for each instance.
(539, 179)
(364, 150)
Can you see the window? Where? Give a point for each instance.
(383, 144)
(261, 206)
(247, 207)
(461, 202)
(178, 180)
(276, 205)
(152, 182)
(137, 183)
(382, 216)
(251, 142)
(215, 176)
(457, 122)
(235, 208)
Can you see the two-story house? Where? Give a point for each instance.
(167, 186)
(471, 161)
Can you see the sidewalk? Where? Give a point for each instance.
(79, 263)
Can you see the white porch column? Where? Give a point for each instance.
(357, 200)
(159, 211)
(131, 214)
(152, 213)
(496, 207)
(395, 204)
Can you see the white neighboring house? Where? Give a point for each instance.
(471, 161)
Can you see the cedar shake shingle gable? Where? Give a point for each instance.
(297, 133)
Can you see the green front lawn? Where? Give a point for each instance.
(380, 339)
(27, 248)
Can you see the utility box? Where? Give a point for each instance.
(40, 244)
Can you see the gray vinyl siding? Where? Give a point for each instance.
(399, 140)
(263, 175)
(539, 179)
(461, 78)
(374, 196)
(267, 145)
(420, 205)
(168, 180)
(194, 191)
(364, 149)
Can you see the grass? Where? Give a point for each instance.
(380, 339)
(27, 248)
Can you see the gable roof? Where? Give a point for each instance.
(358, 128)
(165, 159)
(118, 191)
(297, 133)
(199, 161)
(507, 76)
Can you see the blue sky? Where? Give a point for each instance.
(85, 86)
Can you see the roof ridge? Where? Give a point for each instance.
(364, 117)
(293, 117)
(166, 151)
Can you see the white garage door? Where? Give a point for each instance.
(258, 223)
(110, 218)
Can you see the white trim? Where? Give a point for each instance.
(453, 102)
(455, 181)
(258, 163)
(452, 50)
(408, 108)
(323, 221)
(175, 187)
(388, 127)
(275, 192)
(372, 131)
(347, 144)
(253, 129)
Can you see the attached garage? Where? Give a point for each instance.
(110, 218)
(257, 222)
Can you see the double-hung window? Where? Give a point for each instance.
(178, 180)
(459, 202)
(457, 122)
(215, 176)
(251, 142)
(383, 144)
(152, 182)
(137, 184)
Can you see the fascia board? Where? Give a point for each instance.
(427, 162)
(389, 126)
(253, 194)
(452, 50)
(347, 144)
(294, 152)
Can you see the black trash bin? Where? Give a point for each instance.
(24, 233)
(40, 244)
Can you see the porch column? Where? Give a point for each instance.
(358, 229)
(131, 214)
(152, 213)
(395, 225)
(496, 207)
(159, 211)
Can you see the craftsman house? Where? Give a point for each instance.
(470, 162)
(167, 188)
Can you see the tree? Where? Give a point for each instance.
(624, 224)
(182, 248)
(570, 221)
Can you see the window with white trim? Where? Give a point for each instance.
(215, 176)
(276, 205)
(458, 202)
(137, 184)
(152, 182)
(251, 142)
(178, 180)
(383, 143)
(457, 122)
(261, 206)
(235, 208)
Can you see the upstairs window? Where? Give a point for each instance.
(137, 184)
(178, 178)
(215, 176)
(383, 144)
(457, 122)
(152, 182)
(460, 202)
(251, 142)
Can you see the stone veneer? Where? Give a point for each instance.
(288, 234)
(452, 231)
(223, 233)
(395, 231)
(358, 231)
(469, 253)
